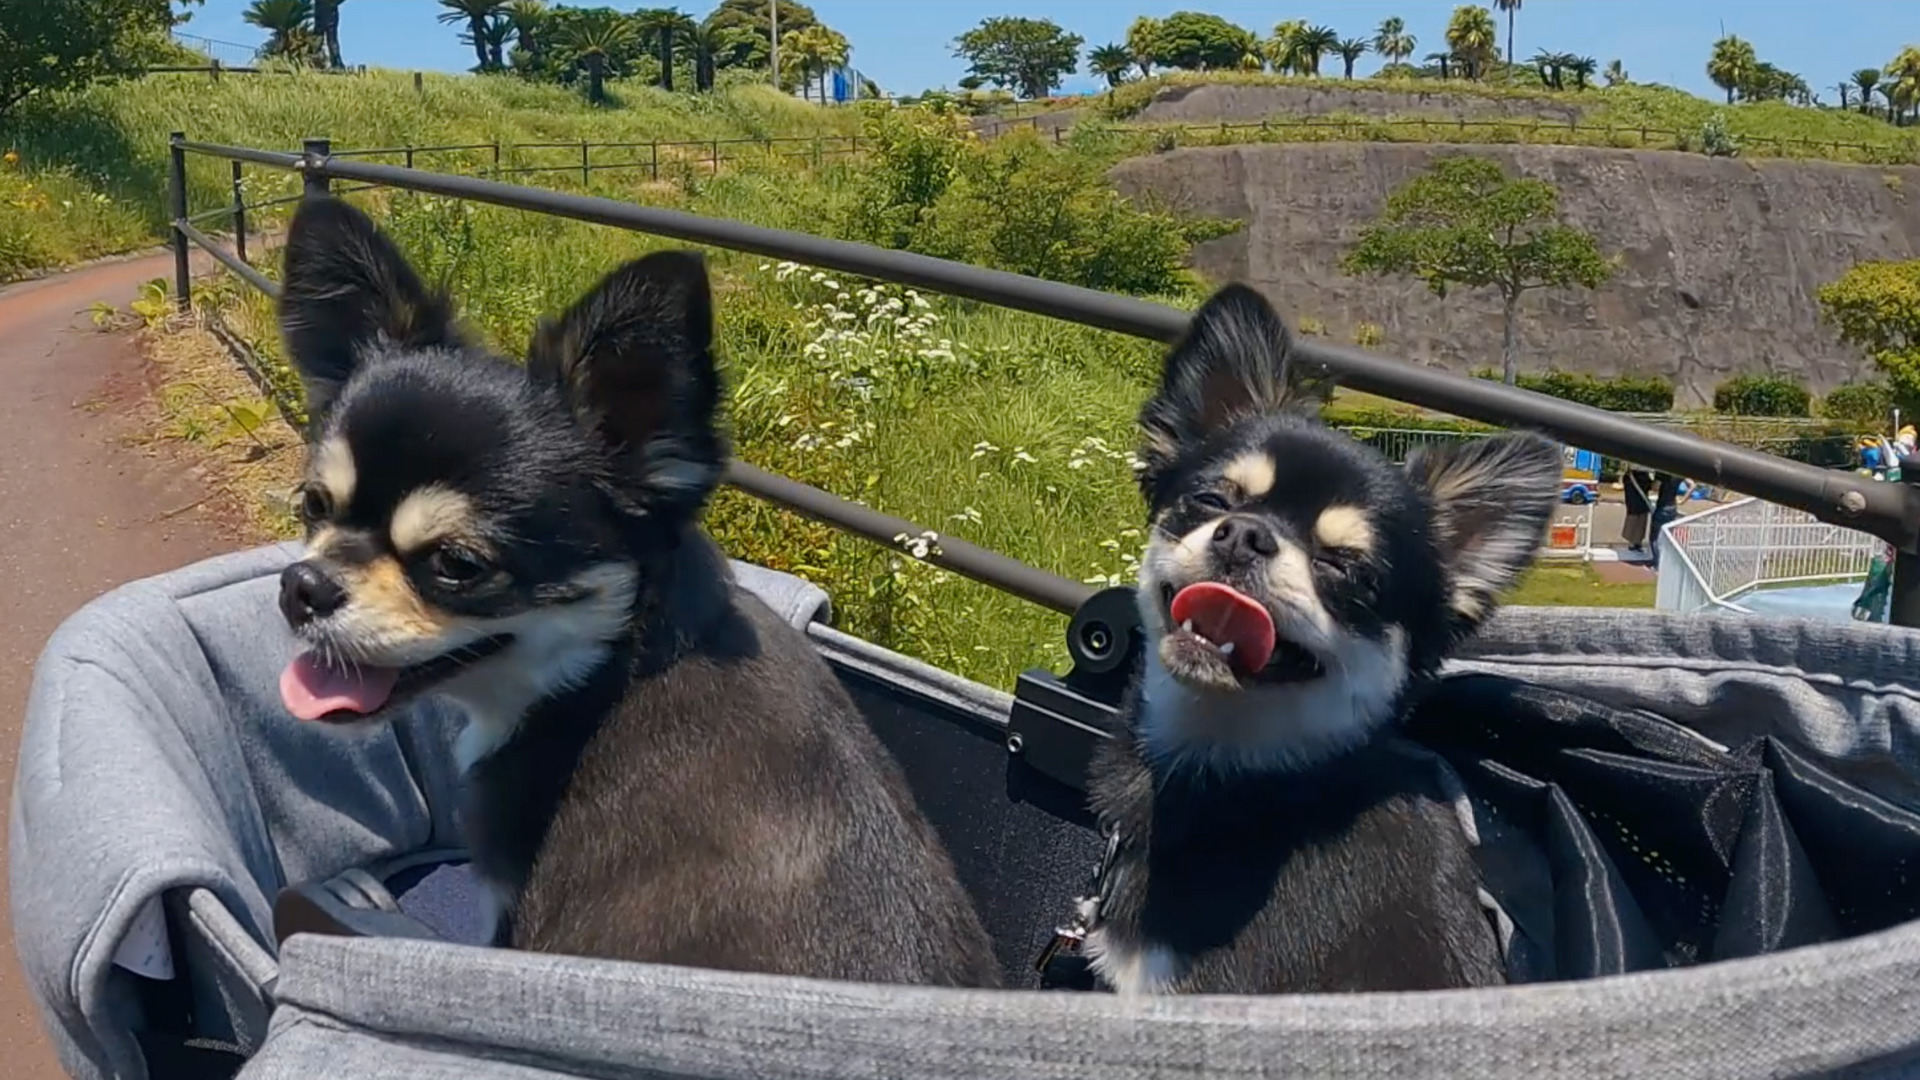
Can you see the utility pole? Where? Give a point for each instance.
(773, 6)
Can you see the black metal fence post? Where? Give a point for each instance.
(177, 206)
(586, 168)
(315, 184)
(239, 215)
(409, 157)
(653, 164)
(496, 158)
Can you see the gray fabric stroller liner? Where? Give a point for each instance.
(164, 799)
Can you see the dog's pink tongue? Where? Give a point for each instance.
(311, 690)
(1221, 615)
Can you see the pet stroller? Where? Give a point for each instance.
(1698, 835)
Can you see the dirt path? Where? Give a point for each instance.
(84, 507)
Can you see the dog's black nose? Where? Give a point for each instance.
(308, 593)
(1240, 538)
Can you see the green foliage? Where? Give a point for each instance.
(1619, 393)
(1466, 223)
(1732, 64)
(1030, 56)
(1761, 395)
(48, 45)
(1716, 140)
(1195, 41)
(1473, 38)
(1110, 62)
(1015, 203)
(1864, 405)
(1876, 307)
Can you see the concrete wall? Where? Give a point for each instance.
(1722, 258)
(1213, 103)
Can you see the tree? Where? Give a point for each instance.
(1110, 62)
(1200, 42)
(1472, 37)
(51, 45)
(816, 51)
(1901, 79)
(530, 20)
(1350, 50)
(664, 28)
(595, 40)
(1512, 8)
(714, 47)
(1283, 48)
(476, 14)
(1550, 66)
(1313, 43)
(1876, 307)
(1392, 41)
(1582, 69)
(1731, 65)
(1029, 55)
(1466, 223)
(289, 27)
(1143, 43)
(755, 19)
(1866, 79)
(1443, 61)
(1616, 73)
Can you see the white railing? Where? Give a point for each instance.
(1713, 558)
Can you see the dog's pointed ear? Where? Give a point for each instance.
(1492, 499)
(634, 360)
(347, 291)
(1236, 359)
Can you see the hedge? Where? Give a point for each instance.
(1621, 393)
(1867, 405)
(1761, 395)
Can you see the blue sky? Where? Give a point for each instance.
(905, 45)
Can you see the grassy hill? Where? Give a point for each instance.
(90, 167)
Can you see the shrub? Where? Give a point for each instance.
(1368, 334)
(1761, 395)
(1621, 393)
(1716, 140)
(1866, 405)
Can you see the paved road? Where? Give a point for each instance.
(81, 510)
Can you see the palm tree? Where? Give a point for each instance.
(712, 45)
(1616, 73)
(1313, 43)
(1732, 64)
(818, 51)
(326, 23)
(1903, 72)
(1549, 65)
(289, 27)
(529, 19)
(665, 27)
(495, 34)
(1392, 41)
(1866, 79)
(1143, 39)
(1350, 50)
(1111, 62)
(1442, 60)
(1512, 8)
(592, 39)
(1582, 68)
(1472, 36)
(476, 14)
(1283, 48)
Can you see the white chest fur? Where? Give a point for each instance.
(1131, 970)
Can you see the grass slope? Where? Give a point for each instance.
(91, 166)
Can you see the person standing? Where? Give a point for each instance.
(1636, 483)
(1666, 508)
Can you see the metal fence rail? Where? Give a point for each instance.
(1891, 511)
(1729, 551)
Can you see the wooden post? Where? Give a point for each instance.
(716, 157)
(419, 84)
(653, 166)
(177, 206)
(239, 216)
(496, 157)
(214, 69)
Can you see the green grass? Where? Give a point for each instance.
(111, 139)
(1556, 585)
(1624, 117)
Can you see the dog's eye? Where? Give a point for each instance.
(1330, 559)
(455, 566)
(316, 505)
(1210, 500)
